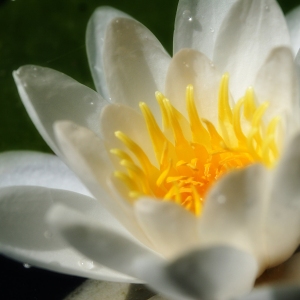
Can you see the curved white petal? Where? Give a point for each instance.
(118, 117)
(250, 31)
(214, 273)
(234, 212)
(25, 236)
(51, 96)
(86, 155)
(95, 34)
(115, 251)
(37, 169)
(282, 222)
(171, 229)
(293, 23)
(197, 24)
(100, 243)
(135, 63)
(276, 82)
(192, 67)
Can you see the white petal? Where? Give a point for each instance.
(293, 22)
(86, 155)
(282, 222)
(123, 118)
(135, 64)
(50, 96)
(25, 236)
(95, 35)
(100, 243)
(234, 212)
(197, 24)
(172, 229)
(250, 31)
(192, 67)
(276, 82)
(214, 273)
(37, 169)
(113, 250)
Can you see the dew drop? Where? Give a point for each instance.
(212, 64)
(86, 263)
(26, 266)
(211, 30)
(48, 234)
(221, 199)
(267, 8)
(34, 68)
(186, 64)
(187, 15)
(25, 84)
(89, 100)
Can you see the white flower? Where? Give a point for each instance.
(213, 245)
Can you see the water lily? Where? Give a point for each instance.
(188, 170)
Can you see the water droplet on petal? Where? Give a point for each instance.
(48, 234)
(25, 84)
(221, 199)
(86, 263)
(267, 8)
(27, 266)
(187, 15)
(212, 64)
(89, 100)
(211, 30)
(186, 64)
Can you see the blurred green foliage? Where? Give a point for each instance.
(51, 33)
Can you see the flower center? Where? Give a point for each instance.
(192, 154)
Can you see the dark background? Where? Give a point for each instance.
(51, 33)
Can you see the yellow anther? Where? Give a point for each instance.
(137, 151)
(157, 137)
(197, 202)
(237, 123)
(216, 139)
(161, 179)
(249, 104)
(121, 154)
(165, 119)
(199, 133)
(126, 180)
(177, 131)
(225, 113)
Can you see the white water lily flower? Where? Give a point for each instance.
(196, 207)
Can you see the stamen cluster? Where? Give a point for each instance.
(189, 162)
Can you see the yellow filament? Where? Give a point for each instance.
(187, 168)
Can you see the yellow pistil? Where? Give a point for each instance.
(188, 168)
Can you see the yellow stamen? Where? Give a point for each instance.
(188, 167)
